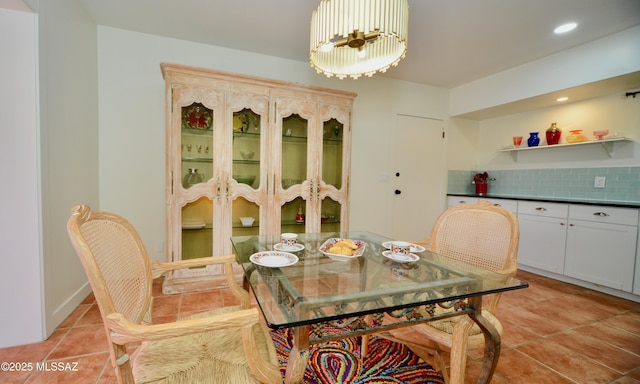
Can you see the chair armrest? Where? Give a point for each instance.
(426, 243)
(124, 331)
(159, 268)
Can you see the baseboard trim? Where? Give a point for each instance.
(582, 283)
(54, 319)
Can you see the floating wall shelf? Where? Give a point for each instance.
(607, 144)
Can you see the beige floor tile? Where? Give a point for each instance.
(568, 362)
(81, 341)
(553, 333)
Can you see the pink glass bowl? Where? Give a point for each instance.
(600, 134)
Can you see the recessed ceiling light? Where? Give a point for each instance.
(561, 99)
(565, 28)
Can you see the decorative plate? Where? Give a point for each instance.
(324, 248)
(414, 247)
(295, 248)
(399, 258)
(197, 116)
(273, 259)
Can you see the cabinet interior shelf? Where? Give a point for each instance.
(197, 132)
(243, 161)
(332, 141)
(607, 145)
(198, 159)
(247, 135)
(294, 138)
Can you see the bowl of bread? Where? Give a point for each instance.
(340, 249)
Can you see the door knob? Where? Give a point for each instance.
(397, 192)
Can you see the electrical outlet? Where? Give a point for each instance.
(599, 182)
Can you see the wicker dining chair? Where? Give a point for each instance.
(224, 345)
(479, 234)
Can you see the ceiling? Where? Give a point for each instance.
(451, 42)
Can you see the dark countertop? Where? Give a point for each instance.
(622, 204)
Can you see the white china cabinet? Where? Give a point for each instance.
(240, 146)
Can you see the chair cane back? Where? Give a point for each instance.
(479, 234)
(224, 345)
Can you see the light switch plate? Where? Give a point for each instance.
(599, 182)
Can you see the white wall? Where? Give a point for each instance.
(132, 148)
(21, 320)
(472, 144)
(69, 145)
(611, 56)
(616, 113)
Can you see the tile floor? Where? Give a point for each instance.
(554, 333)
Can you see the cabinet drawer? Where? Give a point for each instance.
(456, 200)
(602, 214)
(510, 205)
(540, 208)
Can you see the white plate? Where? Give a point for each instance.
(296, 247)
(400, 259)
(274, 259)
(414, 247)
(324, 248)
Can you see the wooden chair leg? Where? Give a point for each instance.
(364, 346)
(459, 344)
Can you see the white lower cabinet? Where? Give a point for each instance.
(636, 281)
(594, 244)
(601, 245)
(543, 231)
(509, 205)
(456, 200)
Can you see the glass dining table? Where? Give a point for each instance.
(326, 298)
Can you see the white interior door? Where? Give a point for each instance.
(417, 176)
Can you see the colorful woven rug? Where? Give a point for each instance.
(340, 361)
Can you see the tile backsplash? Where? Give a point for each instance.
(622, 184)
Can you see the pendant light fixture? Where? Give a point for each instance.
(351, 38)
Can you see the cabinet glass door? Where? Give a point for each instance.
(333, 132)
(293, 216)
(246, 147)
(294, 150)
(246, 171)
(330, 215)
(197, 229)
(245, 221)
(196, 145)
(293, 173)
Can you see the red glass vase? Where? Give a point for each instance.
(481, 189)
(553, 134)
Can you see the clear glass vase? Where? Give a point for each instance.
(192, 178)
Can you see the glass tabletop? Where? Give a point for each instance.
(314, 288)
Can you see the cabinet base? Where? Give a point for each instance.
(194, 284)
(582, 283)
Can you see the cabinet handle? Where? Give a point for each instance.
(497, 205)
(226, 188)
(601, 214)
(462, 202)
(218, 189)
(311, 190)
(571, 225)
(318, 190)
(562, 224)
(541, 209)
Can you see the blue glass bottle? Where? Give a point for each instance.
(533, 140)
